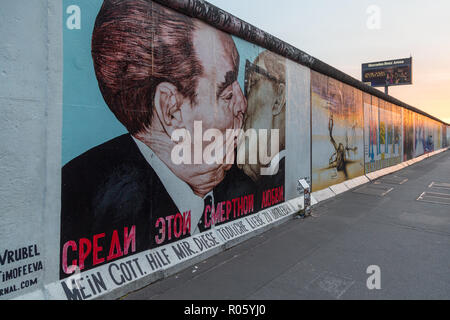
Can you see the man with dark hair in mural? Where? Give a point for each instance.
(339, 160)
(158, 71)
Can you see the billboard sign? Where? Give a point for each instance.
(388, 73)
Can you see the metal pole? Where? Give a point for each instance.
(304, 185)
(386, 90)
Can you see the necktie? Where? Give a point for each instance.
(208, 200)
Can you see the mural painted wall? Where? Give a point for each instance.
(408, 135)
(428, 135)
(178, 131)
(446, 135)
(176, 139)
(337, 132)
(422, 135)
(421, 142)
(383, 134)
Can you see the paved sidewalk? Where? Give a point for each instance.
(326, 256)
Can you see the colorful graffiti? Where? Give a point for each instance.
(383, 134)
(423, 141)
(448, 136)
(181, 137)
(127, 194)
(337, 132)
(408, 135)
(445, 136)
(422, 135)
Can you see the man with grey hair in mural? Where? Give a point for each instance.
(158, 71)
(265, 89)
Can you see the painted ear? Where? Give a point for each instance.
(167, 106)
(280, 102)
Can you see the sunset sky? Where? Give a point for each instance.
(336, 32)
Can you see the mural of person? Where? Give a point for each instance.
(158, 71)
(265, 89)
(337, 132)
(266, 93)
(339, 160)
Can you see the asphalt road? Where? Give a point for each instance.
(326, 256)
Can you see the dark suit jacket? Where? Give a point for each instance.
(112, 186)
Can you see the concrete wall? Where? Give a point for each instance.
(448, 136)
(30, 135)
(54, 116)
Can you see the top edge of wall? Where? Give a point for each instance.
(231, 24)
